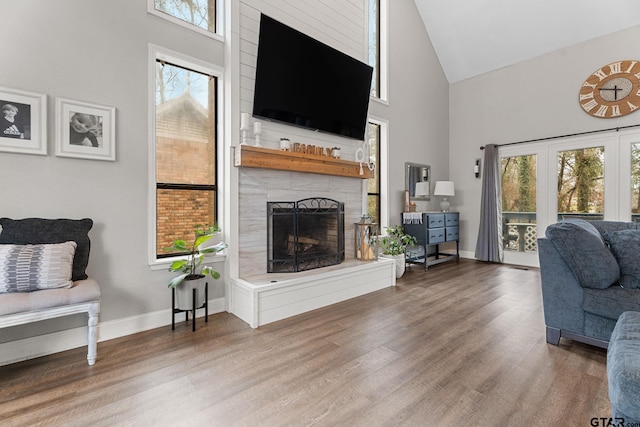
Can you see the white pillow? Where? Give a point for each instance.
(25, 268)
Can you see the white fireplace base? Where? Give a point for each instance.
(266, 298)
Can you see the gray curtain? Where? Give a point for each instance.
(489, 244)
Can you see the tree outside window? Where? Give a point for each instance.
(201, 13)
(581, 183)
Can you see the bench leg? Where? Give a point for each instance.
(92, 345)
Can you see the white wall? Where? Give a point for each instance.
(533, 99)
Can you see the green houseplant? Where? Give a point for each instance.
(394, 245)
(192, 269)
(191, 266)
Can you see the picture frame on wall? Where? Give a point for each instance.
(23, 118)
(85, 130)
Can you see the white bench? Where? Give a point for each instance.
(19, 308)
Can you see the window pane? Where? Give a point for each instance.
(185, 153)
(200, 13)
(373, 184)
(373, 208)
(179, 211)
(581, 183)
(519, 230)
(635, 182)
(185, 136)
(374, 45)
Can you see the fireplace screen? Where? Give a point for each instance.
(304, 235)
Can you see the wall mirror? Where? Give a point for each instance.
(417, 180)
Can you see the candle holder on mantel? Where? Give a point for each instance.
(366, 239)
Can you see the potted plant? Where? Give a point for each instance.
(193, 271)
(394, 245)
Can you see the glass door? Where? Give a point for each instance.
(521, 175)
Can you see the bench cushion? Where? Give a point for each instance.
(36, 231)
(81, 291)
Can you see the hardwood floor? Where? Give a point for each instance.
(460, 345)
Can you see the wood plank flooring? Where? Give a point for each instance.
(459, 345)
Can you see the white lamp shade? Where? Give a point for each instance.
(444, 188)
(422, 188)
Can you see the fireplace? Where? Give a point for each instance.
(304, 235)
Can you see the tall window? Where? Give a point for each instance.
(374, 45)
(185, 152)
(373, 184)
(199, 13)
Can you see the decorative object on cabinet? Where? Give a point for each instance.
(409, 206)
(430, 229)
(394, 245)
(445, 189)
(476, 168)
(417, 181)
(24, 122)
(85, 131)
(366, 239)
(612, 91)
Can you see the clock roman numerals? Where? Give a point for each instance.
(612, 91)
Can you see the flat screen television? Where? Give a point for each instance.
(303, 82)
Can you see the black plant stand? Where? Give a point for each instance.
(175, 310)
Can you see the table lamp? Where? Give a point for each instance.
(444, 188)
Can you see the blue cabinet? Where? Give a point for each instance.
(432, 229)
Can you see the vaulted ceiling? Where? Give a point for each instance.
(472, 37)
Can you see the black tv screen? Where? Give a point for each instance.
(303, 82)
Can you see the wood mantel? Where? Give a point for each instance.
(268, 158)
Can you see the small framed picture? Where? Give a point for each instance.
(24, 121)
(85, 131)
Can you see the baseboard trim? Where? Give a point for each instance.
(42, 345)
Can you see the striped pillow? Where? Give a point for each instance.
(25, 268)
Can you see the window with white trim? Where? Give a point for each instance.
(186, 104)
(200, 15)
(377, 43)
(373, 184)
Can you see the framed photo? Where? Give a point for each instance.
(85, 131)
(24, 121)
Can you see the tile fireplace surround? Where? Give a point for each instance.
(259, 298)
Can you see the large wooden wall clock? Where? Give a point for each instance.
(612, 91)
